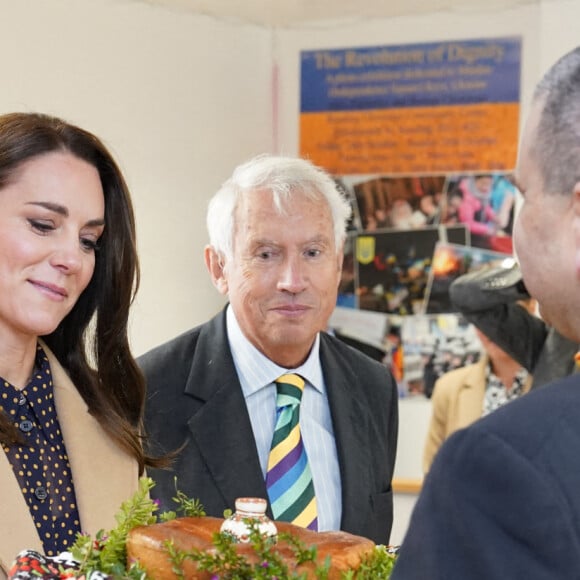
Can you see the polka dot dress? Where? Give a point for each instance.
(41, 465)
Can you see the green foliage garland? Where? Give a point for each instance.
(107, 551)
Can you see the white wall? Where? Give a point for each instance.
(414, 416)
(559, 30)
(180, 100)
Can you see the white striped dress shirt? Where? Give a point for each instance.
(257, 374)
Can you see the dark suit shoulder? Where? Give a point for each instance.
(165, 354)
(351, 356)
(532, 428)
(501, 500)
(364, 374)
(175, 357)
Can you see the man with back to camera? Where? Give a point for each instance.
(277, 229)
(502, 499)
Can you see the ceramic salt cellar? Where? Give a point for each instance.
(249, 508)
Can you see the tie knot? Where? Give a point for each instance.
(289, 389)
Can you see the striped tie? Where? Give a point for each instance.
(288, 479)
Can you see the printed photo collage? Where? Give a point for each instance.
(408, 239)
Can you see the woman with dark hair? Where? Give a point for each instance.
(71, 394)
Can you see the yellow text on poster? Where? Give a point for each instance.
(412, 140)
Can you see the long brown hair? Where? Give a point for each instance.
(111, 384)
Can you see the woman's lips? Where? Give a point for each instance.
(51, 290)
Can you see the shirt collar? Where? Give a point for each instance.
(257, 371)
(519, 378)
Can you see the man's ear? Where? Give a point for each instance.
(214, 263)
(576, 225)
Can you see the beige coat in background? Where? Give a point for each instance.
(457, 402)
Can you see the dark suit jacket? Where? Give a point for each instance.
(502, 500)
(195, 397)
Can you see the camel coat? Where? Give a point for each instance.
(104, 475)
(457, 402)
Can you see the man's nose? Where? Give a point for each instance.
(293, 276)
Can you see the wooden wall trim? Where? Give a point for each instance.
(407, 485)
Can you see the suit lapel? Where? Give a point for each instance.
(221, 427)
(352, 445)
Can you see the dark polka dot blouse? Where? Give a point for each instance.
(41, 465)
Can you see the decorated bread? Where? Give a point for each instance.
(149, 546)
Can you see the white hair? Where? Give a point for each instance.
(285, 178)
